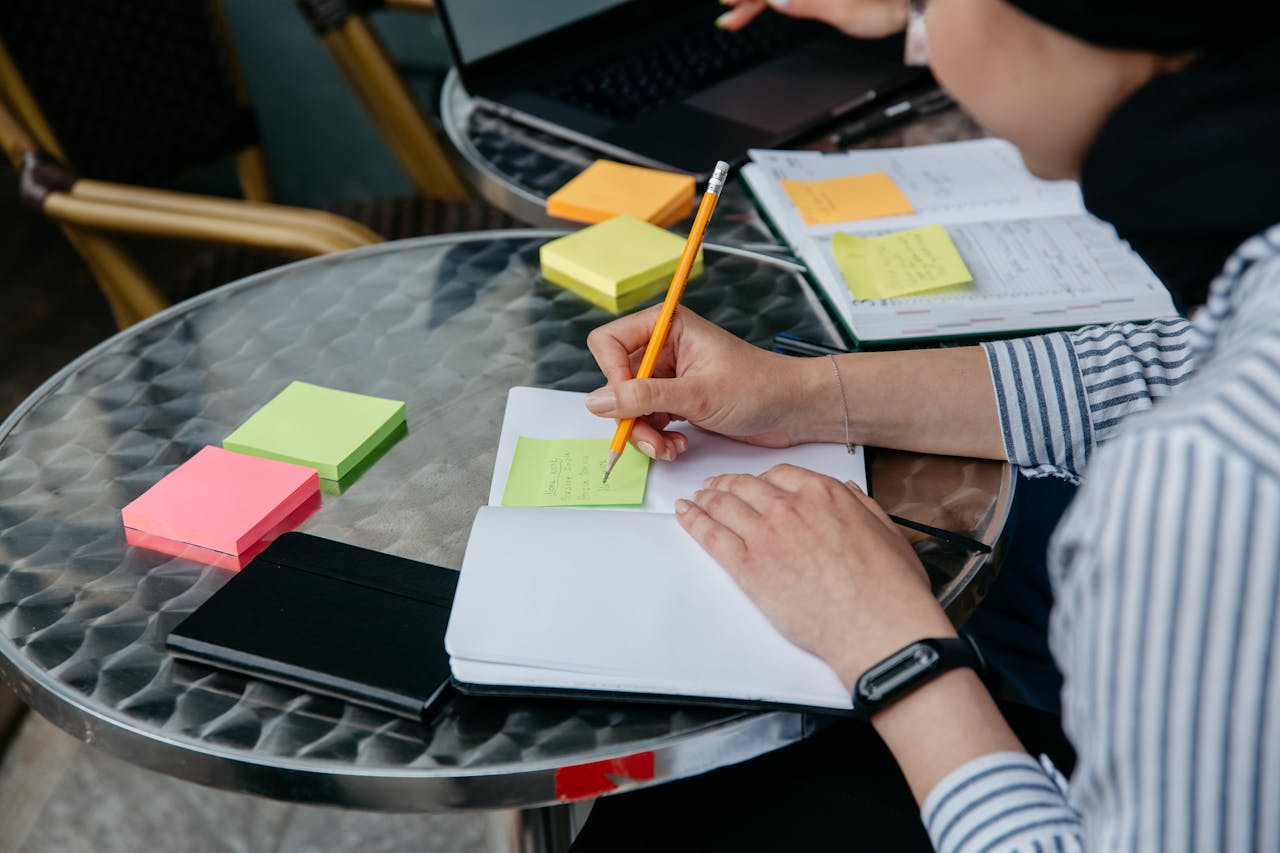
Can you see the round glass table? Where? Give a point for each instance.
(447, 324)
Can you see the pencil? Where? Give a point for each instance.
(658, 337)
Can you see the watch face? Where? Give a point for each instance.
(899, 670)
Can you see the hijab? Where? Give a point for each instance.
(1188, 167)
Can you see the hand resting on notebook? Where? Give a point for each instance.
(821, 559)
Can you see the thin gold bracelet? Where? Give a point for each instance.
(848, 443)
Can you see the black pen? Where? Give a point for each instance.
(925, 105)
(960, 539)
(792, 345)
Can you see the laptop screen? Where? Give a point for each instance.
(484, 27)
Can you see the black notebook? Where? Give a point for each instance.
(330, 618)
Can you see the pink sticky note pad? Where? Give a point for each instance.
(222, 501)
(218, 559)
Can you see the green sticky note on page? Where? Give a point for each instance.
(568, 472)
(326, 429)
(904, 263)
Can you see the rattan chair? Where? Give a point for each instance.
(104, 104)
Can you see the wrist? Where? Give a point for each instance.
(853, 656)
(821, 410)
(941, 726)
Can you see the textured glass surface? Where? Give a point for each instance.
(446, 324)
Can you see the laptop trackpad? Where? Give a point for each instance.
(792, 91)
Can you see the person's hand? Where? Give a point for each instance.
(705, 376)
(822, 561)
(860, 18)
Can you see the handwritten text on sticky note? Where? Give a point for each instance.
(905, 263)
(568, 472)
(846, 199)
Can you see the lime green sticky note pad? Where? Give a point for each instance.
(322, 428)
(568, 472)
(905, 263)
(615, 264)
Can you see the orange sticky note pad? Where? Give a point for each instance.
(846, 199)
(221, 501)
(606, 189)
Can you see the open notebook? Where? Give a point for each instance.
(1038, 260)
(621, 602)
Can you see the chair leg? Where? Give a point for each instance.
(251, 170)
(363, 60)
(129, 293)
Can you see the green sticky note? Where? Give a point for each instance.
(568, 472)
(326, 429)
(615, 264)
(905, 263)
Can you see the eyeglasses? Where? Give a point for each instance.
(916, 52)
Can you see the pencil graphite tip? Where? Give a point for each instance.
(608, 468)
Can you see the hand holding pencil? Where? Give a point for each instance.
(674, 291)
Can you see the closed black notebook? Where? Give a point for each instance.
(330, 618)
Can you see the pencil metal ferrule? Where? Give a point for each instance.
(718, 177)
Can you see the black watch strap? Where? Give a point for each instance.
(910, 667)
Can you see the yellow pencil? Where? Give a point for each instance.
(659, 336)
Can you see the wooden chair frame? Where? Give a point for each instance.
(359, 53)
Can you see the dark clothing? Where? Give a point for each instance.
(837, 790)
(1187, 169)
(1011, 626)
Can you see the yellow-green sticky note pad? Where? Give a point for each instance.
(568, 472)
(615, 264)
(905, 263)
(326, 429)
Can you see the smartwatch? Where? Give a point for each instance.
(908, 668)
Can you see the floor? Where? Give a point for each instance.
(57, 794)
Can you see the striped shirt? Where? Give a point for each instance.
(1166, 576)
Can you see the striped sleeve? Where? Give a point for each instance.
(1165, 627)
(1003, 801)
(1059, 395)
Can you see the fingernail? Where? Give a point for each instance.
(723, 19)
(682, 506)
(601, 402)
(646, 448)
(779, 4)
(682, 442)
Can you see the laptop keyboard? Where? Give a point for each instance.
(623, 88)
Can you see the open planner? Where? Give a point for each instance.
(1038, 260)
(621, 602)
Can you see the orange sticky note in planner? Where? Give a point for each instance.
(846, 199)
(606, 189)
(221, 501)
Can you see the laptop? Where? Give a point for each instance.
(655, 82)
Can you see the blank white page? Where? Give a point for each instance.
(547, 414)
(617, 601)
